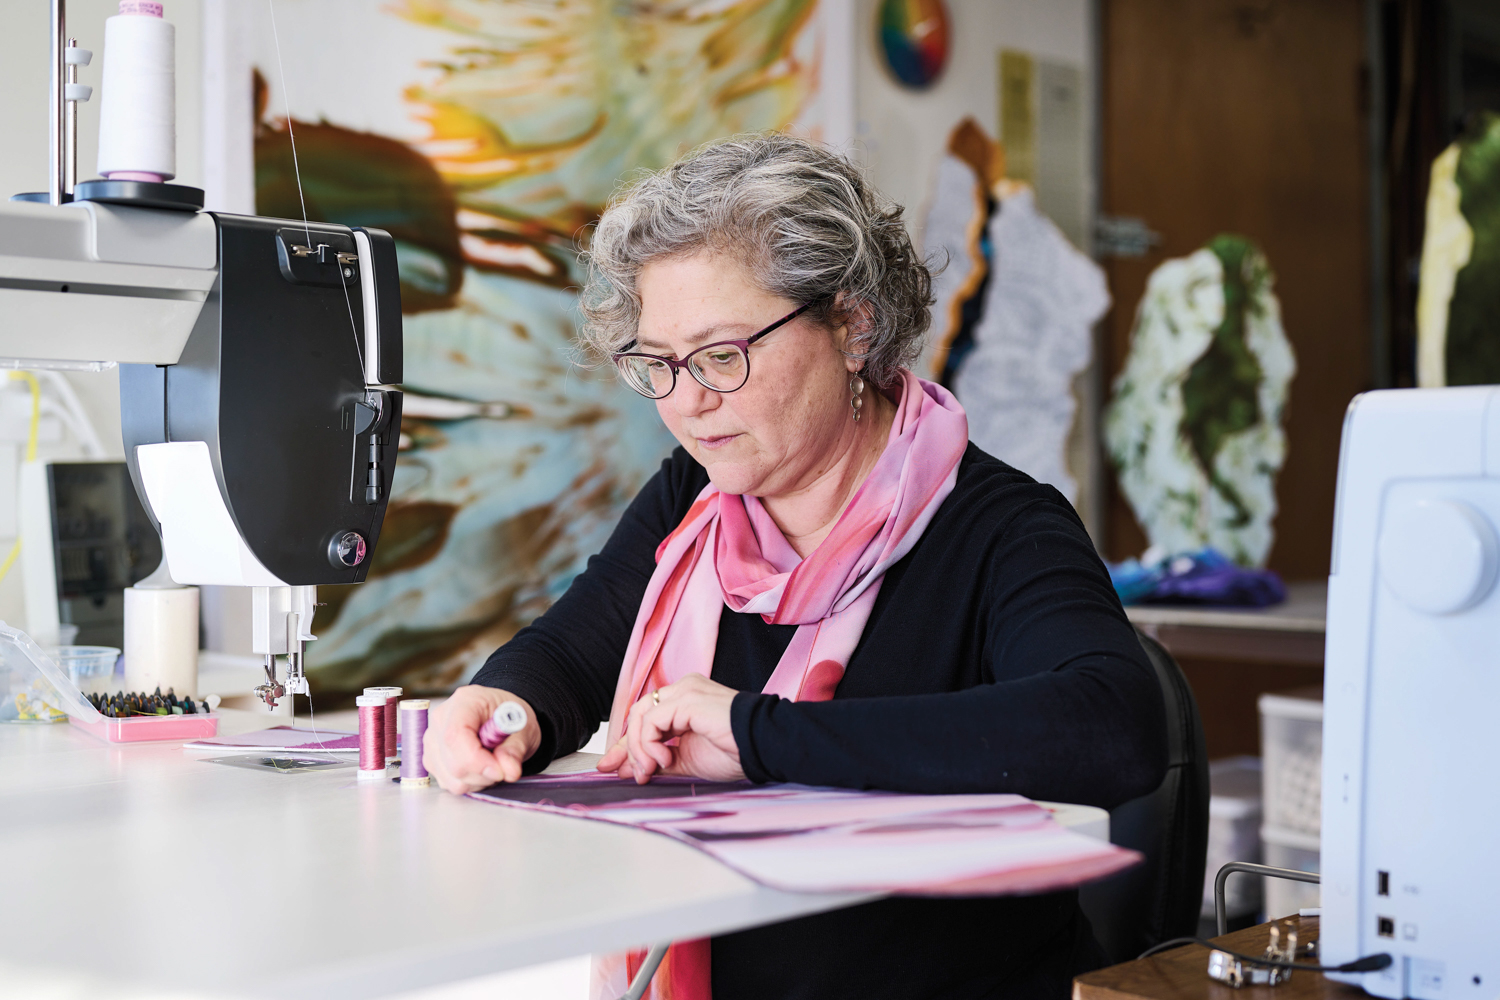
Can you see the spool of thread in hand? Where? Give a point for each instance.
(371, 735)
(138, 112)
(414, 728)
(509, 718)
(392, 696)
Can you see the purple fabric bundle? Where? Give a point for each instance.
(1203, 577)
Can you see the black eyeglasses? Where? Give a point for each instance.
(723, 366)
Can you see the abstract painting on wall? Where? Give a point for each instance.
(1458, 339)
(1195, 426)
(486, 137)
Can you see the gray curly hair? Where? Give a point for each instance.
(801, 218)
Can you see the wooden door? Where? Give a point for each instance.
(1248, 117)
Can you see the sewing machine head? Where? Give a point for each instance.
(1411, 685)
(258, 357)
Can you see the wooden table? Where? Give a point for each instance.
(1181, 974)
(1290, 632)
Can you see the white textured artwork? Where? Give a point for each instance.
(1195, 424)
(1016, 383)
(954, 225)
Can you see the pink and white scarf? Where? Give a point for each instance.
(728, 551)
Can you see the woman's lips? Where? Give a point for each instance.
(713, 443)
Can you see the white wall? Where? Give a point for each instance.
(902, 132)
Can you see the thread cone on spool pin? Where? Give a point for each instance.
(138, 114)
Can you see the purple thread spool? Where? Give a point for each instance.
(371, 736)
(414, 725)
(509, 718)
(392, 696)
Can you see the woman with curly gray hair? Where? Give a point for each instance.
(825, 584)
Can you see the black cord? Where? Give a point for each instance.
(1370, 963)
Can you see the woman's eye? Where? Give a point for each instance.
(722, 357)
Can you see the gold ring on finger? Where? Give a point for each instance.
(656, 697)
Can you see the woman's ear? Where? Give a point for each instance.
(853, 334)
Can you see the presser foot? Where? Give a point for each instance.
(272, 691)
(296, 680)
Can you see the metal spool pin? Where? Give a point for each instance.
(57, 180)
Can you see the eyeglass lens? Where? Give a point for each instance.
(721, 367)
(647, 377)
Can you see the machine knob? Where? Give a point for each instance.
(1438, 556)
(347, 550)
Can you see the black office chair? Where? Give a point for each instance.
(1161, 897)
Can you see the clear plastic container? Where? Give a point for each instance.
(1298, 851)
(1291, 740)
(35, 688)
(1233, 832)
(90, 668)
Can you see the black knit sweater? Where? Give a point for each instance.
(996, 659)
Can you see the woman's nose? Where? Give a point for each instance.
(690, 398)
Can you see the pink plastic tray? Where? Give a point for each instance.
(152, 727)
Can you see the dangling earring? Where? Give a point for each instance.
(856, 390)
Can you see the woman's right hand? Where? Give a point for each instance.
(452, 753)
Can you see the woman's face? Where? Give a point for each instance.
(783, 428)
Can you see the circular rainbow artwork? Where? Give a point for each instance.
(914, 38)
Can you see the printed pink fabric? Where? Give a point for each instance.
(728, 551)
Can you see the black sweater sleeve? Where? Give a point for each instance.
(565, 664)
(1071, 709)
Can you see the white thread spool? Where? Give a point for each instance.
(161, 635)
(138, 112)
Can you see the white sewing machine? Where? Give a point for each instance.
(258, 364)
(1411, 730)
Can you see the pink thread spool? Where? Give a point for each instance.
(509, 718)
(392, 696)
(414, 727)
(371, 736)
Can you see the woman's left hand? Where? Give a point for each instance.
(695, 712)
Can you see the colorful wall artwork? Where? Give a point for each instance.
(1458, 342)
(1195, 426)
(914, 40)
(516, 459)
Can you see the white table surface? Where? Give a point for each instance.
(141, 870)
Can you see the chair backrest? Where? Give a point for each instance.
(1162, 897)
